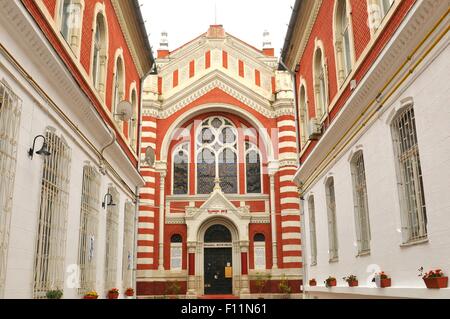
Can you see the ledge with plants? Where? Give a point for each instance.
(382, 280)
(434, 279)
(313, 282)
(113, 293)
(330, 282)
(54, 294)
(129, 292)
(351, 280)
(91, 295)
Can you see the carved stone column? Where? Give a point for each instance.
(273, 168)
(161, 219)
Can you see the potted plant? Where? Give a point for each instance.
(284, 287)
(261, 282)
(434, 279)
(313, 282)
(382, 280)
(129, 292)
(352, 280)
(113, 293)
(91, 295)
(54, 294)
(330, 282)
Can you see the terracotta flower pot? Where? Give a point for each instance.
(129, 294)
(385, 283)
(113, 295)
(436, 283)
(332, 283)
(90, 297)
(313, 283)
(353, 283)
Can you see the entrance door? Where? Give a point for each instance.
(216, 262)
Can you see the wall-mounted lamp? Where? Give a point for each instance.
(44, 149)
(108, 201)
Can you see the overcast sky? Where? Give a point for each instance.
(184, 20)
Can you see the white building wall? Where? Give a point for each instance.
(431, 95)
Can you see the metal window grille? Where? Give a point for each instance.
(88, 229)
(413, 208)
(10, 110)
(332, 224)
(362, 221)
(312, 230)
(112, 224)
(128, 246)
(52, 224)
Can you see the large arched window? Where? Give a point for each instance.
(118, 86)
(132, 124)
(304, 118)
(70, 22)
(378, 9)
(343, 40)
(216, 141)
(312, 230)
(332, 222)
(99, 54)
(320, 83)
(180, 162)
(253, 169)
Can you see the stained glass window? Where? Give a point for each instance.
(253, 169)
(181, 169)
(228, 171)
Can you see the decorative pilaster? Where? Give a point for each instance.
(162, 181)
(244, 268)
(273, 167)
(192, 247)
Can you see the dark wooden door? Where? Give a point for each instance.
(216, 259)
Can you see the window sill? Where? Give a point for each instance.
(415, 243)
(363, 254)
(333, 261)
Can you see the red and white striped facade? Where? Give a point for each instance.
(218, 75)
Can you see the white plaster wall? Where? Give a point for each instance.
(431, 94)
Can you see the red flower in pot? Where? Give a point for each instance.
(434, 279)
(113, 293)
(352, 280)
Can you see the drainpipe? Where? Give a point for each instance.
(101, 157)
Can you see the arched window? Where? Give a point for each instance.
(343, 43)
(216, 141)
(410, 183)
(176, 252)
(218, 234)
(99, 55)
(70, 19)
(259, 243)
(181, 169)
(320, 83)
(312, 230)
(378, 9)
(52, 226)
(362, 222)
(132, 124)
(332, 223)
(253, 168)
(304, 118)
(118, 87)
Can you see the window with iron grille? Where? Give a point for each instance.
(409, 172)
(88, 229)
(362, 221)
(128, 246)
(332, 222)
(312, 230)
(52, 224)
(112, 228)
(10, 110)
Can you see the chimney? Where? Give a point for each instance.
(163, 50)
(268, 49)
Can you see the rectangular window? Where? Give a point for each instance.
(112, 228)
(362, 223)
(260, 255)
(312, 230)
(128, 246)
(332, 223)
(413, 209)
(88, 229)
(10, 110)
(52, 224)
(176, 250)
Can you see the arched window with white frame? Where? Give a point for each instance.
(332, 221)
(176, 252)
(99, 53)
(343, 40)
(253, 169)
(90, 202)
(320, 83)
(304, 117)
(133, 122)
(409, 172)
(70, 19)
(259, 251)
(118, 87)
(216, 141)
(50, 248)
(180, 160)
(112, 238)
(361, 204)
(378, 10)
(312, 229)
(10, 112)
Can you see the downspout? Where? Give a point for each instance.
(302, 210)
(102, 151)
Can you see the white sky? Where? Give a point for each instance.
(184, 20)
